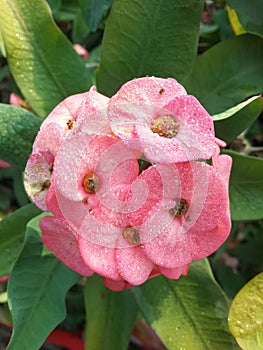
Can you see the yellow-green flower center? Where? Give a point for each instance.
(165, 126)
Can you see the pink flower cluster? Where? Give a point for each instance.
(135, 183)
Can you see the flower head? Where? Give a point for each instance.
(127, 182)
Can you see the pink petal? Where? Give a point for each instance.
(220, 142)
(175, 272)
(37, 177)
(49, 138)
(4, 279)
(194, 140)
(151, 184)
(133, 265)
(175, 248)
(222, 165)
(78, 155)
(213, 207)
(62, 120)
(59, 239)
(100, 259)
(55, 126)
(140, 99)
(15, 100)
(197, 134)
(81, 51)
(116, 286)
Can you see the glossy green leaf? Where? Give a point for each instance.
(12, 233)
(43, 62)
(110, 316)
(228, 73)
(17, 133)
(42, 282)
(150, 37)
(229, 124)
(246, 187)
(189, 313)
(93, 11)
(249, 14)
(246, 315)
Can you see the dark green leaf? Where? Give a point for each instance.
(189, 313)
(54, 5)
(19, 189)
(93, 11)
(221, 18)
(12, 232)
(43, 62)
(230, 281)
(110, 316)
(4, 199)
(79, 29)
(229, 124)
(150, 37)
(17, 133)
(37, 288)
(250, 252)
(246, 187)
(228, 73)
(249, 14)
(68, 11)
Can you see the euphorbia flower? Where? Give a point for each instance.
(114, 218)
(158, 118)
(58, 125)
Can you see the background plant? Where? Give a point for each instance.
(128, 39)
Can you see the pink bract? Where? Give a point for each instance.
(158, 118)
(4, 164)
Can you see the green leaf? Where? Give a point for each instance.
(150, 37)
(2, 46)
(189, 313)
(228, 73)
(93, 11)
(12, 232)
(230, 124)
(68, 11)
(246, 187)
(110, 316)
(54, 5)
(43, 62)
(246, 315)
(17, 133)
(250, 252)
(37, 288)
(249, 14)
